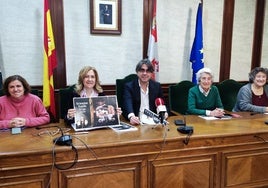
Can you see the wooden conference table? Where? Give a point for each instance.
(220, 153)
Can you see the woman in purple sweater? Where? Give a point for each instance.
(19, 107)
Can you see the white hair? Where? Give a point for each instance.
(201, 71)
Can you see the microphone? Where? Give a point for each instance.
(63, 140)
(152, 115)
(185, 129)
(161, 109)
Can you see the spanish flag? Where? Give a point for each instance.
(50, 62)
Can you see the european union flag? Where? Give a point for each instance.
(197, 57)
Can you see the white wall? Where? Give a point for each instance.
(242, 40)
(21, 38)
(212, 27)
(113, 56)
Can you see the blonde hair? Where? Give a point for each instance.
(82, 74)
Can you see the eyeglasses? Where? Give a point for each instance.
(144, 71)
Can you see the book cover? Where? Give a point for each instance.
(105, 112)
(82, 116)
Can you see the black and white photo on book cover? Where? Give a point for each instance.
(105, 110)
(95, 112)
(82, 118)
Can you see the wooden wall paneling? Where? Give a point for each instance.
(238, 167)
(226, 43)
(56, 8)
(258, 34)
(58, 30)
(119, 173)
(182, 171)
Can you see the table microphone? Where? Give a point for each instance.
(63, 140)
(152, 115)
(185, 129)
(161, 109)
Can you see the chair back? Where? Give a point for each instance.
(228, 90)
(120, 87)
(178, 97)
(1, 80)
(65, 94)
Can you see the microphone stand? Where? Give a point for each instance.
(157, 119)
(165, 124)
(162, 121)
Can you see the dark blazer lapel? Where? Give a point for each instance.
(137, 92)
(151, 95)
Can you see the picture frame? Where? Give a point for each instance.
(105, 17)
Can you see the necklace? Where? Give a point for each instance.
(258, 91)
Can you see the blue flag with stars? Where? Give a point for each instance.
(197, 56)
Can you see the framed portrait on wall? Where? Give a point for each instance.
(105, 17)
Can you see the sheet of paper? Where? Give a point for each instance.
(208, 117)
(215, 118)
(144, 119)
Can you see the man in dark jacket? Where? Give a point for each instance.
(141, 93)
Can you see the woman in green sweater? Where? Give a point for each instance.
(204, 98)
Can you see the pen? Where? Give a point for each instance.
(81, 132)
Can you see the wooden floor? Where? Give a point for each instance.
(220, 153)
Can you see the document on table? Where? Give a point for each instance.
(215, 118)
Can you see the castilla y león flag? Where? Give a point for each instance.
(152, 46)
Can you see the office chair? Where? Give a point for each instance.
(228, 90)
(120, 87)
(65, 94)
(178, 97)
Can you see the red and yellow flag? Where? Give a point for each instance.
(50, 61)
